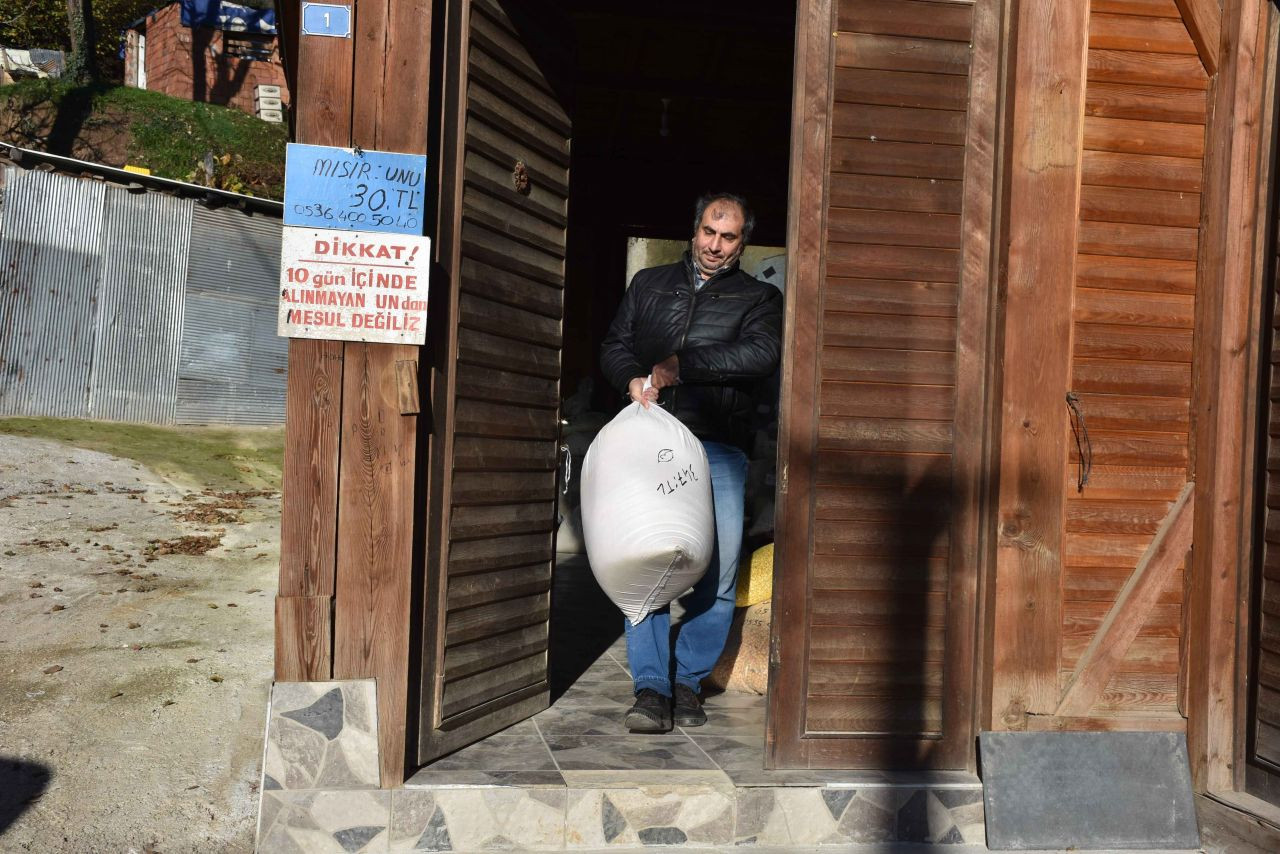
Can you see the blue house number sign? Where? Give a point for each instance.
(326, 19)
(354, 190)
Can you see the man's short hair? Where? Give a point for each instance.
(707, 199)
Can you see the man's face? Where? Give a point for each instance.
(718, 241)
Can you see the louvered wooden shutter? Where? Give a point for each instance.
(495, 394)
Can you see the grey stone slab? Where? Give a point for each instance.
(584, 720)
(525, 727)
(619, 655)
(324, 715)
(741, 757)
(1048, 790)
(734, 700)
(639, 752)
(605, 669)
(429, 778)
(597, 693)
(723, 720)
(499, 753)
(663, 836)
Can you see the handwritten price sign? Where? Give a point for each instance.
(354, 190)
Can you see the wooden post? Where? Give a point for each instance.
(1044, 191)
(1224, 379)
(313, 406)
(379, 449)
(348, 524)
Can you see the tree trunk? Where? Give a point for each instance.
(82, 65)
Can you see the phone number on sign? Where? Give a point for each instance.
(328, 213)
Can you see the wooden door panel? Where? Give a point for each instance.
(882, 416)
(496, 387)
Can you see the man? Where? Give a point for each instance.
(706, 333)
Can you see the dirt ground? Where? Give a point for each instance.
(135, 655)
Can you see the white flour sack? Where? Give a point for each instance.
(647, 516)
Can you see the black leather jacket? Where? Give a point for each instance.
(727, 336)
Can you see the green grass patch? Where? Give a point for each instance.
(170, 136)
(193, 457)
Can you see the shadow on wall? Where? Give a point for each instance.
(21, 784)
(227, 82)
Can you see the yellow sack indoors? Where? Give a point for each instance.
(755, 578)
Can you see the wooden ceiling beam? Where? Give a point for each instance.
(1203, 19)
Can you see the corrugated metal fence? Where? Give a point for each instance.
(136, 307)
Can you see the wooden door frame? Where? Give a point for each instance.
(806, 226)
(1266, 271)
(1265, 148)
(973, 450)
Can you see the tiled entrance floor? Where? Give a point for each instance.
(573, 777)
(583, 732)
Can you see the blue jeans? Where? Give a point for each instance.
(704, 628)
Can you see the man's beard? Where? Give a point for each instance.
(709, 272)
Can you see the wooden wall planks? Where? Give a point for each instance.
(1132, 340)
(1134, 612)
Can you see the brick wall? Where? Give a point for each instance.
(193, 63)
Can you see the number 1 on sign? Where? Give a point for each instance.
(326, 19)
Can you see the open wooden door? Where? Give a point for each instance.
(880, 441)
(495, 387)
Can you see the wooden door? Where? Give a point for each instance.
(1262, 716)
(883, 380)
(495, 387)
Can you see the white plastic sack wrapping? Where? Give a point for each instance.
(647, 515)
